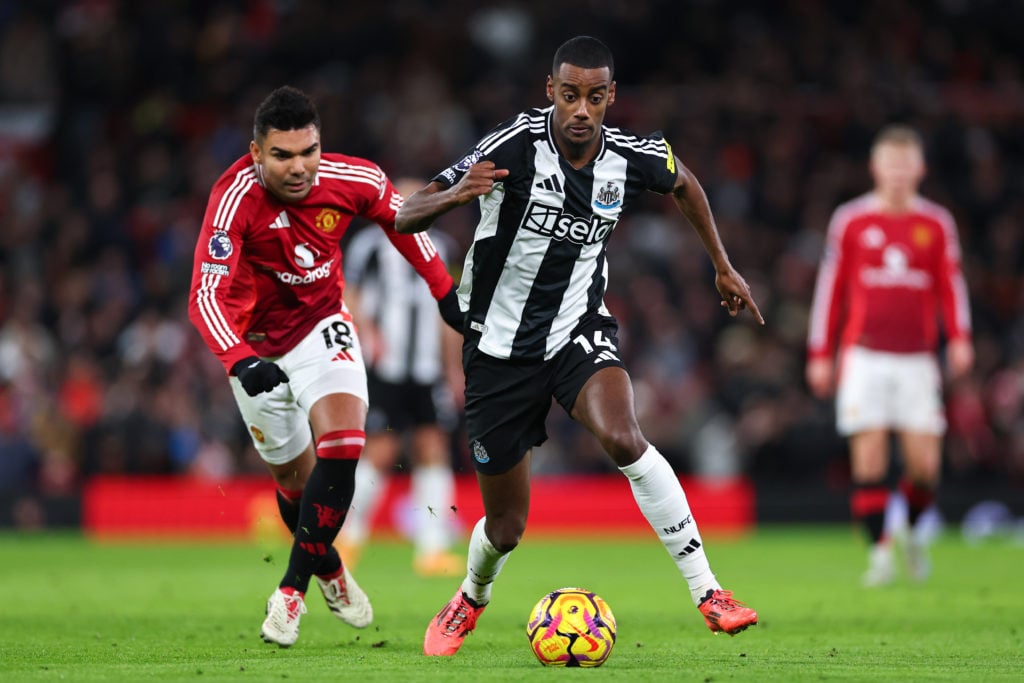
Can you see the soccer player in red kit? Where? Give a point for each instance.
(266, 296)
(891, 270)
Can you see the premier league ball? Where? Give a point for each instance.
(571, 627)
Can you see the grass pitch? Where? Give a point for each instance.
(74, 610)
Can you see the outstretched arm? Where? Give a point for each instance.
(693, 203)
(423, 207)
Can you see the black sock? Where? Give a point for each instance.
(325, 502)
(919, 498)
(289, 511)
(868, 502)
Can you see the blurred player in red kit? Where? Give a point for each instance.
(266, 296)
(891, 270)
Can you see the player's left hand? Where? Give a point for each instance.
(477, 181)
(448, 305)
(736, 294)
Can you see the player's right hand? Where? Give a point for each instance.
(258, 375)
(820, 376)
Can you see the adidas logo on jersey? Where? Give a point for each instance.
(281, 221)
(550, 183)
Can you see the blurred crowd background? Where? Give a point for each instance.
(116, 117)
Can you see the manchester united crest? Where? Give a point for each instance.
(327, 220)
(257, 433)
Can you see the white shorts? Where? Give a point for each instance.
(881, 390)
(328, 360)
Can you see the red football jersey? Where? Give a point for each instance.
(886, 279)
(265, 272)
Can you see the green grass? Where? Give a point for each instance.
(79, 611)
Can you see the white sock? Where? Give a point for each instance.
(483, 565)
(370, 486)
(660, 497)
(433, 492)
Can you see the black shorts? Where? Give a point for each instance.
(507, 402)
(405, 405)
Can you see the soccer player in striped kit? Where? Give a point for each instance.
(552, 183)
(266, 296)
(891, 269)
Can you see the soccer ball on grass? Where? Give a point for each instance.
(571, 627)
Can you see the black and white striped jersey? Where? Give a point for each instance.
(398, 301)
(537, 264)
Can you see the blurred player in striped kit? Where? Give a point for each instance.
(414, 374)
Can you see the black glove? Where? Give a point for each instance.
(450, 311)
(257, 375)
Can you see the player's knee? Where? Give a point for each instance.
(625, 445)
(507, 543)
(290, 481)
(505, 534)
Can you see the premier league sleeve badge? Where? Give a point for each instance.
(220, 246)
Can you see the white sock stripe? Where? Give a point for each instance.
(344, 441)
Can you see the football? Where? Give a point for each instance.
(571, 627)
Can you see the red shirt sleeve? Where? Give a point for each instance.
(828, 292)
(221, 296)
(956, 312)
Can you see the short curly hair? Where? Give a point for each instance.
(286, 108)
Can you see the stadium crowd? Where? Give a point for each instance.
(117, 116)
